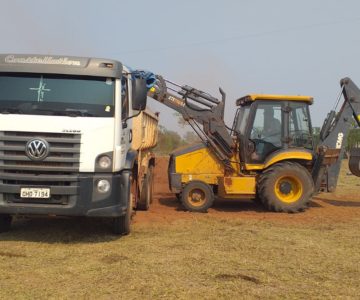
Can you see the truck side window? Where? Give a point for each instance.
(124, 98)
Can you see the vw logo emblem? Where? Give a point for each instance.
(37, 149)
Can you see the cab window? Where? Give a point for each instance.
(299, 126)
(242, 119)
(266, 130)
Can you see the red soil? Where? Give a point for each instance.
(324, 207)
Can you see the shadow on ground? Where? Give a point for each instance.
(223, 205)
(342, 203)
(60, 230)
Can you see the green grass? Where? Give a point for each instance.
(199, 258)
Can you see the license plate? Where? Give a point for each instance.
(35, 193)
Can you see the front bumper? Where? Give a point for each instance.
(80, 200)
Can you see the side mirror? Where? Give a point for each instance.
(139, 94)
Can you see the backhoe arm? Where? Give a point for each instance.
(333, 136)
(203, 112)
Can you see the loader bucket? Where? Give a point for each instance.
(354, 161)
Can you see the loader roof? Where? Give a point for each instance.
(270, 97)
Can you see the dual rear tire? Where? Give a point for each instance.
(146, 196)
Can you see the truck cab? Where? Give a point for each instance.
(66, 137)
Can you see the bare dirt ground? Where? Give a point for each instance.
(338, 207)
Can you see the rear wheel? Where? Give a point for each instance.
(151, 172)
(197, 196)
(145, 197)
(286, 187)
(5, 222)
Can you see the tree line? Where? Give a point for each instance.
(169, 140)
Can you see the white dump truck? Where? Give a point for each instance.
(75, 139)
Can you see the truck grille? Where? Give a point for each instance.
(58, 171)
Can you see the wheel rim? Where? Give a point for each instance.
(288, 189)
(196, 197)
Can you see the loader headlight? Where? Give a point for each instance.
(103, 186)
(104, 162)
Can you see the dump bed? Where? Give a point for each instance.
(145, 130)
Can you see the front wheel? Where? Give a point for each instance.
(121, 224)
(286, 187)
(197, 196)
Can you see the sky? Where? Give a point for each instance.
(245, 46)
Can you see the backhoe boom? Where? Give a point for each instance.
(198, 108)
(333, 136)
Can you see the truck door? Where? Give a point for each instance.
(126, 134)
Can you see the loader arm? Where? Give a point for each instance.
(333, 136)
(203, 112)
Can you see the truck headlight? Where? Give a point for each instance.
(104, 162)
(103, 186)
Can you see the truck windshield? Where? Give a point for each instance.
(49, 94)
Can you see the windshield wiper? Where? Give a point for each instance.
(10, 110)
(67, 112)
(78, 112)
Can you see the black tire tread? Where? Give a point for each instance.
(201, 185)
(145, 197)
(267, 198)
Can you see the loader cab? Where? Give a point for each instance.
(271, 124)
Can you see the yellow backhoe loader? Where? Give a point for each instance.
(267, 155)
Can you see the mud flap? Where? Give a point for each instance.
(354, 161)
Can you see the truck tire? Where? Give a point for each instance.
(197, 196)
(151, 172)
(286, 187)
(145, 197)
(121, 224)
(5, 222)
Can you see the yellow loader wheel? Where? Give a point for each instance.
(286, 187)
(197, 196)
